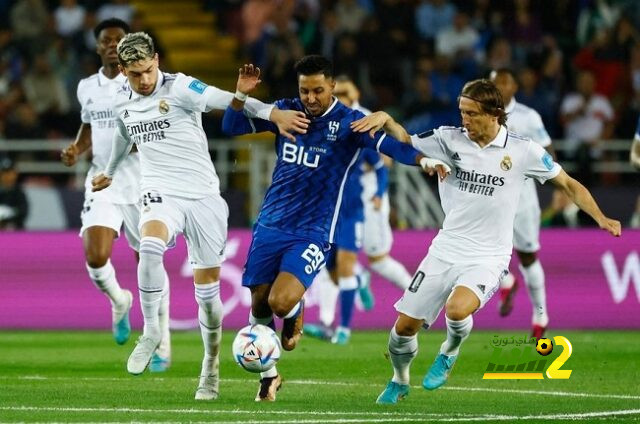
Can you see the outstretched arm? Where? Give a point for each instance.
(582, 197)
(381, 121)
(81, 144)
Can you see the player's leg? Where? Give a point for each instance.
(327, 292)
(205, 231)
(151, 285)
(161, 359)
(285, 300)
(534, 279)
(473, 287)
(348, 284)
(419, 307)
(101, 222)
(378, 239)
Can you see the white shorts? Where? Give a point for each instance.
(526, 226)
(202, 221)
(97, 212)
(378, 237)
(435, 280)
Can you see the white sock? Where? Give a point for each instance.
(294, 311)
(457, 332)
(507, 281)
(210, 318)
(151, 283)
(104, 279)
(392, 270)
(327, 297)
(164, 349)
(402, 350)
(534, 279)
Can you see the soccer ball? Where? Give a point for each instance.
(544, 347)
(256, 348)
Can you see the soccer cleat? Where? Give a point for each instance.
(121, 326)
(506, 298)
(439, 371)
(341, 336)
(318, 331)
(141, 355)
(538, 331)
(268, 388)
(292, 329)
(393, 393)
(158, 363)
(364, 291)
(207, 388)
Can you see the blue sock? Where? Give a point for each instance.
(347, 303)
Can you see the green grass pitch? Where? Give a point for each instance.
(81, 377)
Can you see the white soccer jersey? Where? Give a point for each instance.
(96, 95)
(166, 126)
(480, 196)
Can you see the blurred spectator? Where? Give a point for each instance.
(13, 201)
(350, 15)
(139, 24)
(459, 42)
(446, 87)
(282, 51)
(346, 59)
(562, 212)
(598, 15)
(523, 27)
(23, 123)
(634, 222)
(69, 18)
(64, 62)
(421, 110)
(588, 120)
(551, 84)
(326, 35)
(499, 54)
(89, 39)
(433, 16)
(29, 22)
(529, 93)
(120, 9)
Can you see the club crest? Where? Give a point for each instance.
(163, 107)
(506, 163)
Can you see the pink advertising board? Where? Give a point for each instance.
(593, 281)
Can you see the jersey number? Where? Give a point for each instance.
(151, 198)
(314, 256)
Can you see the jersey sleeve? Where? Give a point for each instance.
(120, 146)
(431, 144)
(538, 130)
(85, 114)
(237, 123)
(383, 143)
(193, 94)
(374, 160)
(539, 164)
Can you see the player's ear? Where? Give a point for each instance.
(156, 58)
(122, 70)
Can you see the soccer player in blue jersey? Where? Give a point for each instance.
(297, 222)
(342, 262)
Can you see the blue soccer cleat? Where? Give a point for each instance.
(393, 393)
(158, 363)
(341, 336)
(318, 331)
(439, 371)
(121, 327)
(364, 290)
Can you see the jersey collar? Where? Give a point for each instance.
(159, 82)
(328, 111)
(104, 80)
(512, 105)
(499, 141)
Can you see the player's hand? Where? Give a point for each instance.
(611, 226)
(289, 121)
(248, 78)
(377, 202)
(372, 123)
(69, 155)
(435, 166)
(100, 182)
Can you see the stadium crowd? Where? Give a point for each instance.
(577, 61)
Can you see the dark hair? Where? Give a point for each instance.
(487, 94)
(111, 23)
(506, 70)
(314, 64)
(343, 78)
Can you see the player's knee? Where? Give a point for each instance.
(405, 329)
(97, 256)
(151, 255)
(526, 258)
(280, 305)
(457, 311)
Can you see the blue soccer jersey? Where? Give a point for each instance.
(310, 176)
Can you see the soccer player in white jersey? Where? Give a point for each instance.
(525, 122)
(471, 252)
(105, 213)
(161, 114)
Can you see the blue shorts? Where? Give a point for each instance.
(350, 232)
(273, 251)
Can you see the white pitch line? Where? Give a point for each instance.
(352, 384)
(434, 417)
